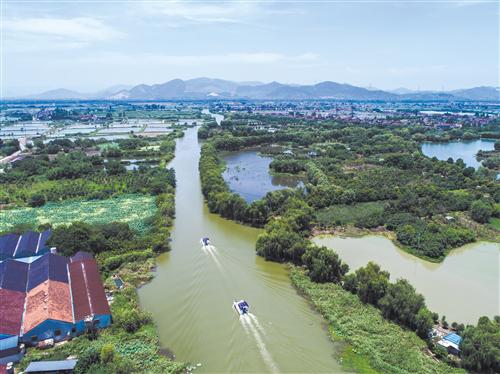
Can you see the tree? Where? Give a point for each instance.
(423, 323)
(481, 211)
(78, 236)
(402, 304)
(324, 265)
(36, 200)
(371, 283)
(480, 346)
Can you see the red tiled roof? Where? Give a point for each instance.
(87, 289)
(11, 311)
(49, 300)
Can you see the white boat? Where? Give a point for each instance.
(205, 241)
(241, 307)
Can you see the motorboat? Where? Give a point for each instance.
(205, 241)
(241, 307)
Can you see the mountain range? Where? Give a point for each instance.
(207, 88)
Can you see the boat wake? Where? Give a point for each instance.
(251, 325)
(212, 252)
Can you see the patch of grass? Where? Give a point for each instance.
(376, 344)
(352, 361)
(132, 209)
(495, 223)
(340, 215)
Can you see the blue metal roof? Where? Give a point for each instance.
(9, 342)
(454, 338)
(38, 366)
(26, 245)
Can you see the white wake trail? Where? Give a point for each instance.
(253, 318)
(244, 324)
(212, 252)
(266, 356)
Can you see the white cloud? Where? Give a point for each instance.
(37, 33)
(196, 60)
(179, 12)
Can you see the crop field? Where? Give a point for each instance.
(132, 209)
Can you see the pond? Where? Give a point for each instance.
(247, 173)
(466, 150)
(192, 293)
(464, 287)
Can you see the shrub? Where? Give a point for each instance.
(324, 265)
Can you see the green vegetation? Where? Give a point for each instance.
(359, 175)
(135, 210)
(8, 147)
(387, 347)
(367, 215)
(481, 346)
(64, 170)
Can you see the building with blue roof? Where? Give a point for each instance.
(452, 343)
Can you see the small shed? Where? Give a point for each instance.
(452, 343)
(59, 367)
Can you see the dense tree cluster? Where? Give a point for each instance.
(481, 346)
(8, 147)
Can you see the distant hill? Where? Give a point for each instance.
(208, 88)
(478, 93)
(58, 94)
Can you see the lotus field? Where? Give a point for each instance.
(131, 209)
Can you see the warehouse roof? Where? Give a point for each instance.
(50, 366)
(13, 275)
(87, 289)
(29, 244)
(11, 311)
(81, 255)
(49, 300)
(50, 266)
(8, 244)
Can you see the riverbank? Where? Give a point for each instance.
(375, 344)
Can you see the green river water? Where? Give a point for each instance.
(192, 293)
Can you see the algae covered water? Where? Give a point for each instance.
(192, 294)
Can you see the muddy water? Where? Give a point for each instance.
(463, 287)
(192, 294)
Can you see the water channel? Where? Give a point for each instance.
(192, 293)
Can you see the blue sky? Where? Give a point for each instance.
(90, 45)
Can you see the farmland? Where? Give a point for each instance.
(132, 209)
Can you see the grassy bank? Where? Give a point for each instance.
(375, 344)
(131, 209)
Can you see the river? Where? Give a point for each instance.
(191, 295)
(463, 287)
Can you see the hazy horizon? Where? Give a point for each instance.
(87, 47)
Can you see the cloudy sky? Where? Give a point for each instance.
(90, 45)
